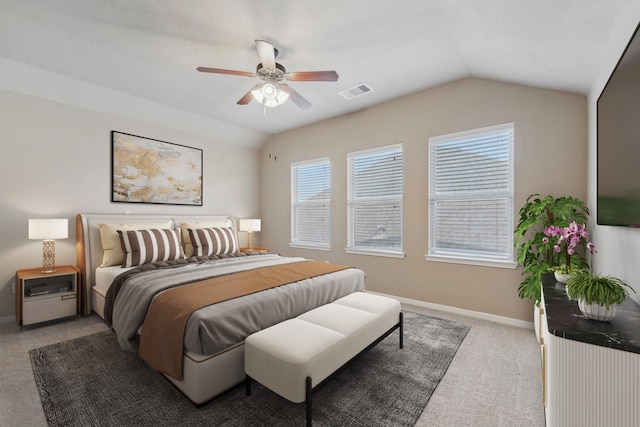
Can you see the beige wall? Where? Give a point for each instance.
(55, 162)
(550, 158)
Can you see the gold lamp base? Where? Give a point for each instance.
(250, 237)
(48, 256)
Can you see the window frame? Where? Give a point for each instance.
(301, 244)
(351, 248)
(439, 254)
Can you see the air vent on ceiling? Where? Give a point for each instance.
(356, 91)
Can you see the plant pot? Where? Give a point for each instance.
(561, 277)
(596, 311)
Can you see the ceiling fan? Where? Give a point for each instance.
(272, 91)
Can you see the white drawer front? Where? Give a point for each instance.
(44, 309)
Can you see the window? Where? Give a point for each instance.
(311, 204)
(471, 197)
(374, 201)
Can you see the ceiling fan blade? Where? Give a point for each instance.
(313, 76)
(267, 55)
(248, 97)
(295, 97)
(222, 71)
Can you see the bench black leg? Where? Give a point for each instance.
(400, 322)
(247, 385)
(308, 400)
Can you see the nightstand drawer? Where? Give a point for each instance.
(43, 309)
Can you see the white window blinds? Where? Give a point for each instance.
(471, 195)
(374, 193)
(311, 204)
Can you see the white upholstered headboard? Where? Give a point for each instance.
(89, 247)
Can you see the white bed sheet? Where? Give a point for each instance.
(104, 277)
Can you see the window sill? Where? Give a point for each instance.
(479, 262)
(387, 254)
(309, 246)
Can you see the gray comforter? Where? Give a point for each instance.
(217, 327)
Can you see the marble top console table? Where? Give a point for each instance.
(590, 369)
(565, 320)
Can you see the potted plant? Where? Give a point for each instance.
(570, 244)
(534, 253)
(597, 295)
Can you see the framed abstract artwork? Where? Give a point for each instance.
(147, 170)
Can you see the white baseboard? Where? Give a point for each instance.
(455, 310)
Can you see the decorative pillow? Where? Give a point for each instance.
(111, 246)
(213, 241)
(186, 237)
(150, 245)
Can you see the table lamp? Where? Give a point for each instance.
(48, 230)
(250, 226)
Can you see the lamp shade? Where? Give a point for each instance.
(48, 229)
(249, 225)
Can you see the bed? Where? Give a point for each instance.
(212, 349)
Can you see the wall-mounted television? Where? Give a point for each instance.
(618, 111)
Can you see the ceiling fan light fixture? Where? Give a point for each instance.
(270, 95)
(269, 90)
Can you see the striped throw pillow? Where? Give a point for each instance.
(150, 245)
(213, 241)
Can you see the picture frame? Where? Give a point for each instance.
(145, 170)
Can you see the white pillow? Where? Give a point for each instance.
(112, 250)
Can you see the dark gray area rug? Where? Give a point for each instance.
(90, 381)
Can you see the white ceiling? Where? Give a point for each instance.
(149, 49)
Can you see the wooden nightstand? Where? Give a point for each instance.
(41, 297)
(255, 249)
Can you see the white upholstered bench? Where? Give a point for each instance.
(294, 357)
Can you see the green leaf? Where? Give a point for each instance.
(595, 288)
(534, 256)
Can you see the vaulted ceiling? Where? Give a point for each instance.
(149, 50)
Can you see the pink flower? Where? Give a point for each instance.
(553, 231)
(568, 240)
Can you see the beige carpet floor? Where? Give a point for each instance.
(494, 379)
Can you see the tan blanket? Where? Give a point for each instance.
(161, 342)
